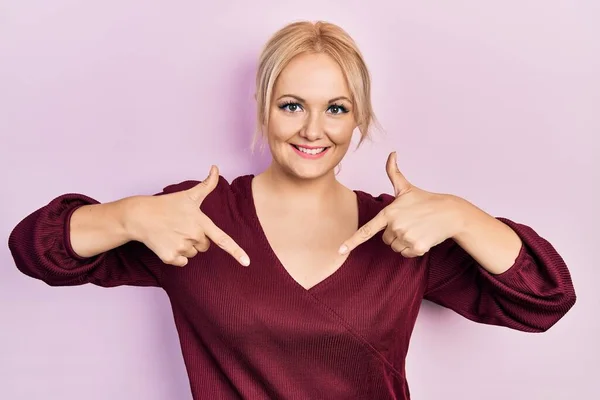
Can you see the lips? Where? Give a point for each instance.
(310, 152)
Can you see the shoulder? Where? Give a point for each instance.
(223, 186)
(190, 183)
(370, 205)
(225, 192)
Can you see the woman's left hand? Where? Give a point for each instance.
(415, 221)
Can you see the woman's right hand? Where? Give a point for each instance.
(174, 227)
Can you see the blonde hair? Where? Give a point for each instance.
(320, 37)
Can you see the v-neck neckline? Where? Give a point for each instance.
(263, 241)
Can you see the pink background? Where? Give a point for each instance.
(498, 103)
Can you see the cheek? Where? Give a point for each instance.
(282, 127)
(340, 130)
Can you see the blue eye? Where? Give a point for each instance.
(337, 109)
(291, 107)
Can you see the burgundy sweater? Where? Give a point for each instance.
(255, 333)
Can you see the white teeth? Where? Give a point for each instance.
(311, 151)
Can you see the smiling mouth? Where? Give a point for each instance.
(311, 151)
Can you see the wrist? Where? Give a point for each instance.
(464, 213)
(125, 213)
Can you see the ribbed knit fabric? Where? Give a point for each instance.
(255, 333)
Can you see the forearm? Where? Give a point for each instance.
(98, 228)
(493, 244)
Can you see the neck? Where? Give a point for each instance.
(293, 189)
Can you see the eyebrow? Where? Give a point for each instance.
(300, 99)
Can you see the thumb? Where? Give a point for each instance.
(201, 190)
(399, 182)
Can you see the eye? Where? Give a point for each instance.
(291, 107)
(337, 109)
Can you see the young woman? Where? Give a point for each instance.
(304, 289)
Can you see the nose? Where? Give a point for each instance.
(313, 128)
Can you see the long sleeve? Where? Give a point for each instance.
(531, 296)
(41, 248)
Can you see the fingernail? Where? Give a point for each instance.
(245, 261)
(343, 249)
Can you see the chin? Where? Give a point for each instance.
(309, 173)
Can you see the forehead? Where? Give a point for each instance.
(315, 77)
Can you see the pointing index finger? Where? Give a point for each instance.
(225, 242)
(364, 233)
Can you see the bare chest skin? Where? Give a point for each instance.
(306, 240)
